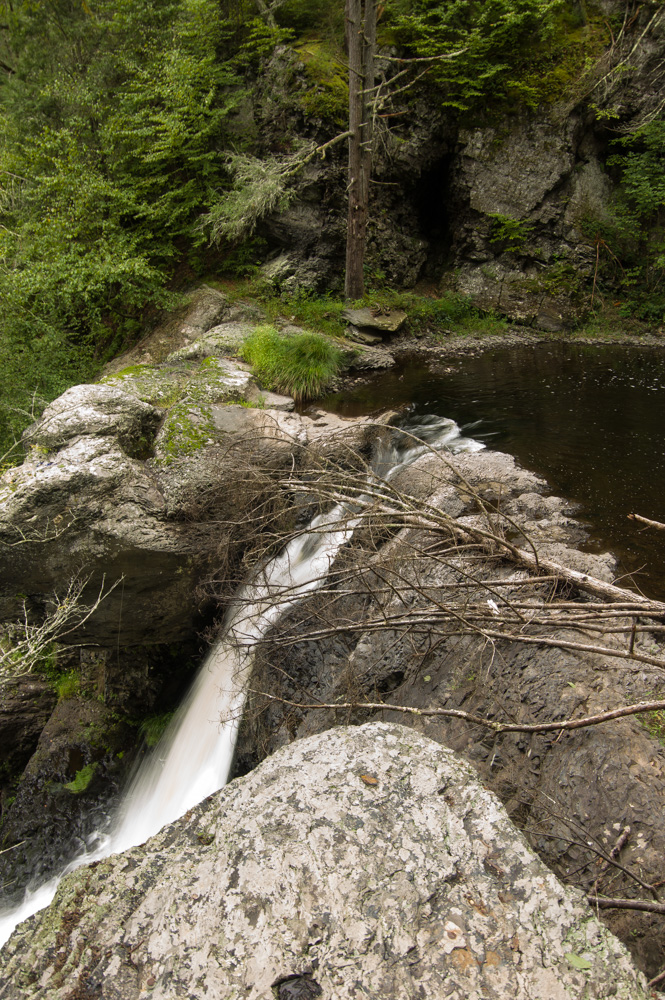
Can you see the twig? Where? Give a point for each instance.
(13, 847)
(656, 979)
(614, 853)
(607, 903)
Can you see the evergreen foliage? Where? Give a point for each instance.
(631, 241)
(112, 123)
(120, 156)
(496, 40)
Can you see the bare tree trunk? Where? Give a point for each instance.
(361, 39)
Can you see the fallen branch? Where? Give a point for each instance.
(607, 903)
(477, 720)
(405, 512)
(614, 853)
(656, 979)
(649, 523)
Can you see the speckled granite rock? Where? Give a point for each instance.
(362, 860)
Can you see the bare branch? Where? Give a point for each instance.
(606, 902)
(24, 644)
(477, 720)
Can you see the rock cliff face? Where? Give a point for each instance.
(361, 859)
(445, 190)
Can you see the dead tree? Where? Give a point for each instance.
(361, 40)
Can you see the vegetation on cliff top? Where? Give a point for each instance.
(118, 119)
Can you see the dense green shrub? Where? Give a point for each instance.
(629, 239)
(302, 365)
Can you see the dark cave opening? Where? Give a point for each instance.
(431, 198)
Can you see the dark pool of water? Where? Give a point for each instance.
(590, 419)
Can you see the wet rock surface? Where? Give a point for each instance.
(82, 758)
(363, 855)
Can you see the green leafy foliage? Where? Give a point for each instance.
(325, 17)
(494, 44)
(630, 241)
(112, 124)
(302, 365)
(510, 234)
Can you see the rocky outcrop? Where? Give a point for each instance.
(504, 211)
(146, 481)
(82, 758)
(25, 706)
(82, 506)
(367, 855)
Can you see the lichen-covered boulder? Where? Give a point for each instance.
(114, 491)
(361, 861)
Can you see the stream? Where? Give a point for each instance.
(194, 756)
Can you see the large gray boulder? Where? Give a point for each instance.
(156, 500)
(82, 506)
(362, 860)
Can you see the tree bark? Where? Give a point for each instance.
(361, 40)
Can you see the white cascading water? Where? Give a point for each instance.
(193, 758)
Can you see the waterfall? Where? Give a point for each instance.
(194, 756)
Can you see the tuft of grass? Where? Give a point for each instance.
(654, 723)
(67, 685)
(152, 728)
(302, 365)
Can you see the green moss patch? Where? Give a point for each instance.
(81, 779)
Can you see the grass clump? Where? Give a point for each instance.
(302, 365)
(654, 723)
(152, 728)
(67, 685)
